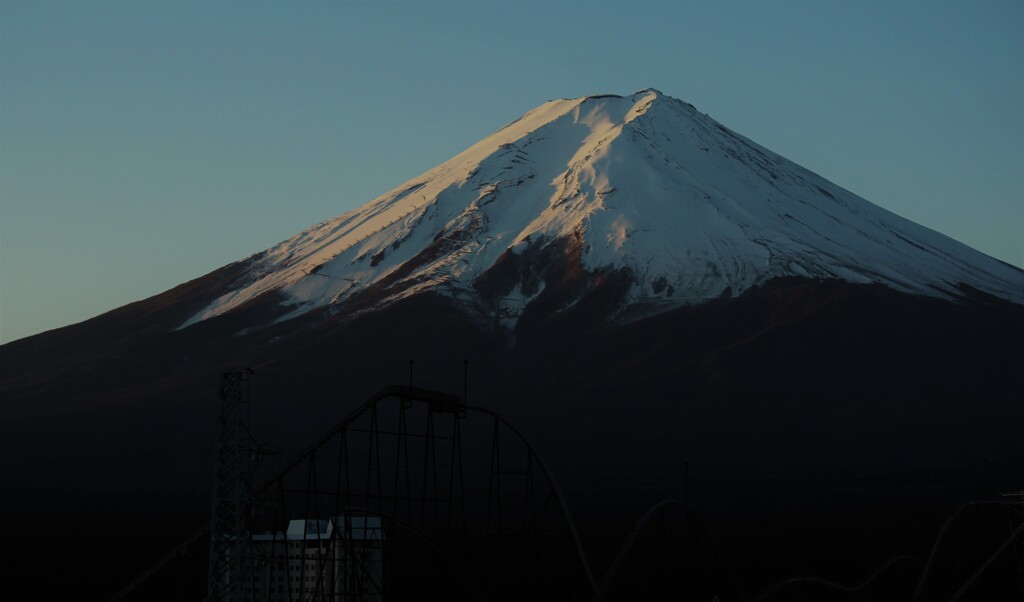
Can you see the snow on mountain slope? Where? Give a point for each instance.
(644, 182)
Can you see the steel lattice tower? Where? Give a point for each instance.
(232, 492)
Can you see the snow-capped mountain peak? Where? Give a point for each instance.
(645, 186)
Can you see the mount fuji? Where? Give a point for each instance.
(642, 194)
(591, 245)
(632, 283)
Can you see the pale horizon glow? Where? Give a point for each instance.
(144, 145)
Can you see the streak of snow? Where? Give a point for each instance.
(651, 184)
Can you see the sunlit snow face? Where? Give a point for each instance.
(643, 183)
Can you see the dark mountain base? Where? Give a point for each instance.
(823, 426)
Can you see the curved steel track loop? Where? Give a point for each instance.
(566, 514)
(985, 565)
(638, 529)
(938, 543)
(849, 589)
(852, 593)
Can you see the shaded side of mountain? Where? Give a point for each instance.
(806, 395)
(119, 399)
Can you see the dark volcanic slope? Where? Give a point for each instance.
(86, 403)
(806, 395)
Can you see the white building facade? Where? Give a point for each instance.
(323, 559)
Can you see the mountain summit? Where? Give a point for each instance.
(635, 285)
(642, 193)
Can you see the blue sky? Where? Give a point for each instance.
(144, 144)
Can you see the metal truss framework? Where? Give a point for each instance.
(467, 508)
(231, 488)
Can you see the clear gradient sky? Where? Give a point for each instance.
(144, 144)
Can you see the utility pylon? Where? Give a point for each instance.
(232, 493)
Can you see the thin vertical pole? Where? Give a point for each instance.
(686, 482)
(429, 435)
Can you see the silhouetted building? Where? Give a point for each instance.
(318, 559)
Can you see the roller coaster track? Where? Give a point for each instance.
(638, 528)
(926, 571)
(853, 590)
(566, 514)
(988, 562)
(436, 401)
(450, 403)
(447, 403)
(938, 544)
